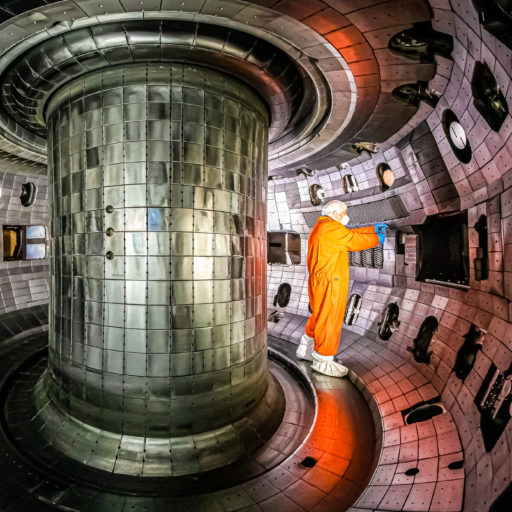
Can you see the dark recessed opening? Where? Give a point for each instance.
(275, 316)
(400, 242)
(503, 502)
(466, 355)
(481, 262)
(282, 297)
(426, 412)
(494, 401)
(423, 411)
(421, 344)
(412, 471)
(385, 176)
(28, 194)
(389, 323)
(443, 250)
(414, 93)
(457, 464)
(316, 194)
(488, 98)
(496, 17)
(421, 42)
(308, 462)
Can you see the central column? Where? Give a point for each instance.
(158, 303)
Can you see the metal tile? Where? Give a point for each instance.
(170, 306)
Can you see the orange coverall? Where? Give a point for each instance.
(328, 244)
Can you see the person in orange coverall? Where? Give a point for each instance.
(328, 246)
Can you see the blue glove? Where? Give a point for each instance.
(382, 237)
(380, 228)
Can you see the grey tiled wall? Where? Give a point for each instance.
(22, 283)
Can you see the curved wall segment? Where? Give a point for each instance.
(158, 323)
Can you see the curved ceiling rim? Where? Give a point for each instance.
(310, 64)
(26, 90)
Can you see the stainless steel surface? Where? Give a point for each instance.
(327, 419)
(39, 72)
(329, 89)
(167, 338)
(232, 450)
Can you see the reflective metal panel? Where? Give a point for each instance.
(159, 197)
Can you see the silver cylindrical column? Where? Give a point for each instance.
(158, 249)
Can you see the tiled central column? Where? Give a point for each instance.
(158, 282)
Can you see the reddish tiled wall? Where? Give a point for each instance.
(483, 187)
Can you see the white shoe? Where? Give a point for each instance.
(305, 348)
(328, 366)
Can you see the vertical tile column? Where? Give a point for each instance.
(158, 305)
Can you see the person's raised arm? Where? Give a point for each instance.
(377, 228)
(366, 230)
(353, 240)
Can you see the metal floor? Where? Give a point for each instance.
(336, 430)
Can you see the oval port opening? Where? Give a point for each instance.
(28, 194)
(283, 295)
(385, 176)
(389, 323)
(457, 464)
(423, 413)
(316, 194)
(308, 462)
(275, 316)
(421, 344)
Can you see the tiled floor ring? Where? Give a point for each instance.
(341, 442)
(391, 385)
(46, 434)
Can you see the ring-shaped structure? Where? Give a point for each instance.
(322, 114)
(29, 82)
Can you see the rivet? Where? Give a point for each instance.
(110, 231)
(109, 208)
(110, 255)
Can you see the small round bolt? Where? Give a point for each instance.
(110, 255)
(109, 208)
(110, 231)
